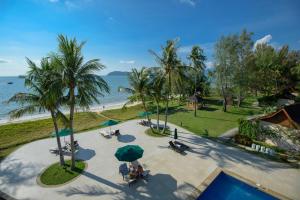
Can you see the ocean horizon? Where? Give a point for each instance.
(7, 90)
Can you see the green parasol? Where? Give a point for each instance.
(144, 114)
(62, 133)
(129, 153)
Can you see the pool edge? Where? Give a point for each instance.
(211, 177)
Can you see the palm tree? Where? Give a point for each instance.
(172, 69)
(43, 96)
(156, 90)
(83, 85)
(139, 81)
(197, 59)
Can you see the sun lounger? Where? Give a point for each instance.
(105, 134)
(176, 148)
(54, 150)
(181, 145)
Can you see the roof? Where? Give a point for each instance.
(288, 116)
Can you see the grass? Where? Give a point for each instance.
(56, 174)
(211, 121)
(154, 133)
(14, 135)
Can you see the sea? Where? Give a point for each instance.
(12, 85)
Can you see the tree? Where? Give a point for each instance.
(172, 70)
(197, 59)
(156, 90)
(226, 60)
(79, 78)
(43, 96)
(244, 52)
(139, 82)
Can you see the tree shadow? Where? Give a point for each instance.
(158, 186)
(85, 154)
(210, 109)
(126, 138)
(225, 156)
(14, 171)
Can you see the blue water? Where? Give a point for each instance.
(225, 187)
(8, 90)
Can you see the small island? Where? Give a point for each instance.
(118, 73)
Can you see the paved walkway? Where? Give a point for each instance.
(173, 176)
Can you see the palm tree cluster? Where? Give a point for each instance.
(171, 79)
(63, 80)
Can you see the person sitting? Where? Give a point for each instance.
(140, 170)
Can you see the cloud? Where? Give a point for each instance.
(127, 61)
(209, 64)
(265, 40)
(4, 61)
(188, 2)
(70, 4)
(185, 49)
(53, 1)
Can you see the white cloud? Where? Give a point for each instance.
(4, 61)
(265, 40)
(209, 64)
(185, 49)
(70, 4)
(189, 2)
(127, 61)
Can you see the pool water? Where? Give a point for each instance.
(230, 188)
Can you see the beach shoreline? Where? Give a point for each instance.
(98, 109)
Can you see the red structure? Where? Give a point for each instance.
(289, 116)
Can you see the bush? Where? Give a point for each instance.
(249, 128)
(243, 139)
(267, 100)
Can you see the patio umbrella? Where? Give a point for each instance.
(144, 114)
(62, 133)
(109, 123)
(129, 153)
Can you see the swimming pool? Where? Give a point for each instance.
(230, 188)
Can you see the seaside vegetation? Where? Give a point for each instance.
(238, 77)
(212, 121)
(57, 174)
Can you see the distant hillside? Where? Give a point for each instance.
(117, 73)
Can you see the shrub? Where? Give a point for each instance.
(267, 100)
(249, 128)
(243, 139)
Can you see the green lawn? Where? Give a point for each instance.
(14, 135)
(211, 121)
(56, 174)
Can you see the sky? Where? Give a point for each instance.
(121, 32)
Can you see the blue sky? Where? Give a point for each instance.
(120, 32)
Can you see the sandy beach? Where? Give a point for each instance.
(98, 108)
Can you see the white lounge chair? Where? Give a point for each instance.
(105, 134)
(257, 148)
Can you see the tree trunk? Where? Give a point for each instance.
(167, 104)
(195, 104)
(61, 156)
(224, 100)
(239, 99)
(146, 110)
(72, 107)
(157, 113)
